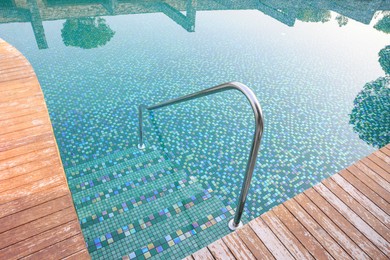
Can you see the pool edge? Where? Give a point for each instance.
(36, 208)
(353, 206)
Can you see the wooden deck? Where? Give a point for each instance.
(344, 217)
(37, 217)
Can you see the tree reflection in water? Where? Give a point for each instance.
(383, 24)
(370, 116)
(86, 33)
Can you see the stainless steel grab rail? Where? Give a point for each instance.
(259, 125)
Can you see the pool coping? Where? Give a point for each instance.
(345, 216)
(37, 215)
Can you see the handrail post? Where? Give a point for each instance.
(259, 124)
(141, 144)
(236, 221)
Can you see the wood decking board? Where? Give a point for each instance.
(37, 216)
(344, 217)
(253, 242)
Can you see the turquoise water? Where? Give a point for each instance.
(318, 68)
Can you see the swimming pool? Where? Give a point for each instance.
(315, 67)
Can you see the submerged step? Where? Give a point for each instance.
(133, 164)
(185, 232)
(107, 161)
(141, 224)
(119, 172)
(133, 203)
(111, 192)
(107, 218)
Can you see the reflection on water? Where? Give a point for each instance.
(383, 24)
(370, 116)
(182, 12)
(342, 20)
(313, 15)
(86, 33)
(371, 112)
(384, 59)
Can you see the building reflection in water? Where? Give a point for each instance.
(37, 11)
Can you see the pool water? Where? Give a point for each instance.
(318, 68)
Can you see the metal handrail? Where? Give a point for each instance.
(259, 125)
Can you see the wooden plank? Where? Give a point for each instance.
(253, 242)
(349, 229)
(367, 181)
(269, 239)
(220, 251)
(316, 230)
(36, 121)
(28, 148)
(27, 202)
(35, 156)
(352, 217)
(362, 199)
(18, 88)
(355, 206)
(12, 75)
(16, 74)
(81, 255)
(19, 71)
(61, 249)
(31, 214)
(21, 103)
(333, 230)
(285, 236)
(237, 247)
(34, 161)
(16, 105)
(22, 112)
(13, 63)
(19, 84)
(372, 164)
(359, 185)
(29, 189)
(18, 93)
(36, 134)
(370, 173)
(302, 234)
(381, 162)
(21, 120)
(384, 157)
(203, 254)
(188, 258)
(36, 227)
(24, 179)
(385, 150)
(42, 241)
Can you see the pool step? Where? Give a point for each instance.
(106, 162)
(183, 230)
(135, 204)
(162, 231)
(115, 172)
(144, 224)
(137, 197)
